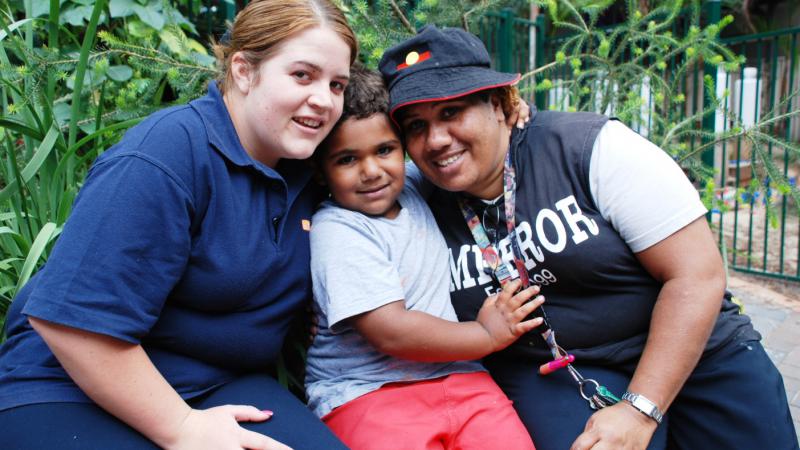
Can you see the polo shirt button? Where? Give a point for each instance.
(275, 221)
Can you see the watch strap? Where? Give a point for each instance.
(644, 405)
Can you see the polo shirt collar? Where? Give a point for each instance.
(219, 126)
(222, 136)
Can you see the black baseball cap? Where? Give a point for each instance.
(438, 64)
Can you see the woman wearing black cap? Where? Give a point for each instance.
(613, 231)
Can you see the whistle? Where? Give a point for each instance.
(556, 364)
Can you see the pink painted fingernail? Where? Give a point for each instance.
(266, 411)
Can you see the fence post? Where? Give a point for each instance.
(713, 13)
(506, 40)
(540, 37)
(226, 12)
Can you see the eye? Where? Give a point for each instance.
(413, 126)
(301, 75)
(450, 112)
(338, 86)
(345, 160)
(385, 150)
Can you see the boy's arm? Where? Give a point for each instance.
(419, 336)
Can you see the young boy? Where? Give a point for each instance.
(390, 366)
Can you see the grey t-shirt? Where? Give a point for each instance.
(360, 263)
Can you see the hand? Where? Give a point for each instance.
(501, 315)
(218, 428)
(618, 427)
(520, 116)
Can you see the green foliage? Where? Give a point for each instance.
(642, 71)
(381, 23)
(68, 92)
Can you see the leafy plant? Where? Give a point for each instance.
(381, 23)
(66, 96)
(642, 72)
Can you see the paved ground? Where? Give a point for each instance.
(775, 310)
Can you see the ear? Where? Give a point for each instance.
(497, 107)
(242, 72)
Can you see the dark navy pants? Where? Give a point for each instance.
(86, 426)
(735, 399)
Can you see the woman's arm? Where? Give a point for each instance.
(121, 379)
(690, 268)
(419, 336)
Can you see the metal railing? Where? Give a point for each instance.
(761, 228)
(514, 44)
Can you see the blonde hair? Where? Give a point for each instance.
(263, 25)
(509, 98)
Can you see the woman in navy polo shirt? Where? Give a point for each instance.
(174, 281)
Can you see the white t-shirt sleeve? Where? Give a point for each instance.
(638, 188)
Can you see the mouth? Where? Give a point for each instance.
(449, 160)
(307, 122)
(373, 190)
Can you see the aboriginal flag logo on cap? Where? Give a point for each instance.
(414, 57)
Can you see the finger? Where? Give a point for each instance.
(529, 325)
(585, 441)
(511, 287)
(525, 295)
(257, 441)
(505, 296)
(525, 310)
(246, 413)
(490, 301)
(513, 118)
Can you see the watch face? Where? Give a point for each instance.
(644, 405)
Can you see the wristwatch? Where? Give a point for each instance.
(644, 405)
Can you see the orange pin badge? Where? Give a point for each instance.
(306, 224)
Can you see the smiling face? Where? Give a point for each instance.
(285, 107)
(364, 166)
(458, 144)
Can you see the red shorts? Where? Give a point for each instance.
(460, 411)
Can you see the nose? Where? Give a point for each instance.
(370, 169)
(438, 136)
(321, 97)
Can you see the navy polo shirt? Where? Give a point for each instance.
(180, 242)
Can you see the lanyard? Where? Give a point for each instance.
(601, 397)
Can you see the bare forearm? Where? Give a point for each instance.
(120, 378)
(682, 321)
(691, 269)
(419, 336)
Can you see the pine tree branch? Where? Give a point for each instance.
(402, 17)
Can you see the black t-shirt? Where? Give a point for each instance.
(599, 298)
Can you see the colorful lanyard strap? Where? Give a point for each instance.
(596, 395)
